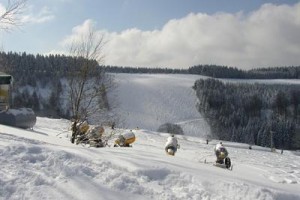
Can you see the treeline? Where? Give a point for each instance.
(37, 81)
(143, 70)
(216, 71)
(264, 115)
(292, 72)
(59, 65)
(26, 68)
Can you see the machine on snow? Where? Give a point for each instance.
(90, 134)
(171, 151)
(171, 145)
(18, 117)
(226, 163)
(125, 140)
(222, 156)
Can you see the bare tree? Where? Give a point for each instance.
(10, 17)
(88, 83)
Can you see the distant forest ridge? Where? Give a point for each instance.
(215, 71)
(265, 115)
(60, 64)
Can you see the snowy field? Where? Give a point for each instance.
(150, 100)
(43, 164)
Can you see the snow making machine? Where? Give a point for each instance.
(18, 117)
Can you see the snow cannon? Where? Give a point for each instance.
(171, 151)
(95, 132)
(21, 117)
(125, 139)
(91, 135)
(83, 127)
(222, 155)
(221, 152)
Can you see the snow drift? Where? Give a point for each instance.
(43, 164)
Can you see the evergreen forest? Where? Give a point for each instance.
(257, 114)
(260, 114)
(35, 75)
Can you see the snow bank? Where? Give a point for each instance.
(43, 164)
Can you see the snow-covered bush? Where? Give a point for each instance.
(170, 128)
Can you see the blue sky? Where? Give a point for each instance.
(166, 33)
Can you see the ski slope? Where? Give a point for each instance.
(150, 100)
(43, 164)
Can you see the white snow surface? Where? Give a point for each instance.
(150, 100)
(43, 164)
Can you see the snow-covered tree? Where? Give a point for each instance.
(252, 113)
(170, 128)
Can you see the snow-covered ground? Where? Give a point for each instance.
(150, 100)
(43, 164)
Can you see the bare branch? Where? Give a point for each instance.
(9, 18)
(87, 80)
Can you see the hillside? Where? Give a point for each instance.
(150, 100)
(43, 164)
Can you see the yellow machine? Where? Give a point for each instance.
(21, 117)
(83, 127)
(125, 139)
(5, 81)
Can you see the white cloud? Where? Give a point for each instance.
(27, 15)
(266, 37)
(44, 15)
(10, 19)
(80, 38)
(78, 32)
(2, 9)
